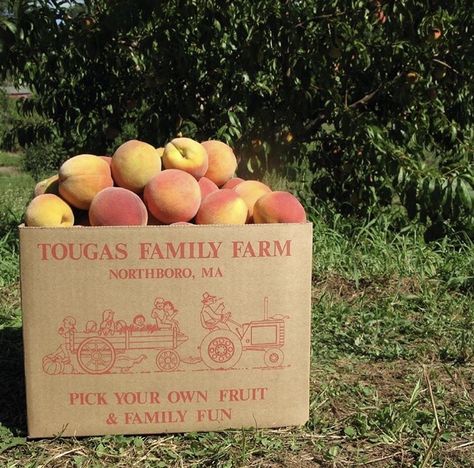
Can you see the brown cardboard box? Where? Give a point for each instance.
(165, 328)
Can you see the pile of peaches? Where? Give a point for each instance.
(185, 182)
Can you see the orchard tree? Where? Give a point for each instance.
(366, 103)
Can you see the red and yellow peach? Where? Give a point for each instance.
(116, 206)
(232, 183)
(207, 186)
(134, 164)
(187, 155)
(48, 210)
(222, 161)
(172, 196)
(222, 207)
(250, 191)
(278, 207)
(82, 177)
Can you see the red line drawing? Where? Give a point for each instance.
(222, 347)
(118, 346)
(100, 349)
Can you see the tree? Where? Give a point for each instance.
(369, 102)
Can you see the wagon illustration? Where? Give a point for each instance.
(98, 350)
(99, 354)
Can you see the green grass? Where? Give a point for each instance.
(11, 159)
(392, 378)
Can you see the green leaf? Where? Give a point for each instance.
(350, 431)
(465, 194)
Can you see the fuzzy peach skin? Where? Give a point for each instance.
(82, 177)
(232, 183)
(107, 159)
(278, 207)
(134, 164)
(172, 196)
(116, 206)
(160, 151)
(222, 161)
(251, 191)
(186, 154)
(49, 185)
(207, 186)
(48, 210)
(222, 207)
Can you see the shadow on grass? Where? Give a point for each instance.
(12, 381)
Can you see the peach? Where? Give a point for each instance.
(160, 151)
(222, 207)
(222, 161)
(251, 191)
(278, 207)
(49, 210)
(232, 183)
(107, 159)
(186, 154)
(134, 164)
(116, 206)
(82, 177)
(172, 196)
(207, 186)
(49, 185)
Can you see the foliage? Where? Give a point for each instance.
(370, 104)
(7, 115)
(44, 158)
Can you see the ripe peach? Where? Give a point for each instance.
(160, 151)
(82, 177)
(49, 185)
(251, 191)
(222, 207)
(172, 196)
(207, 186)
(116, 206)
(222, 161)
(134, 164)
(48, 210)
(107, 159)
(278, 207)
(186, 154)
(231, 183)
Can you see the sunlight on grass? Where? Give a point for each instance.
(11, 159)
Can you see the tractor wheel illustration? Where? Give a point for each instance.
(221, 349)
(167, 360)
(96, 355)
(273, 357)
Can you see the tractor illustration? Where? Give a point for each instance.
(222, 347)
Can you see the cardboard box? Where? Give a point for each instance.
(155, 329)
